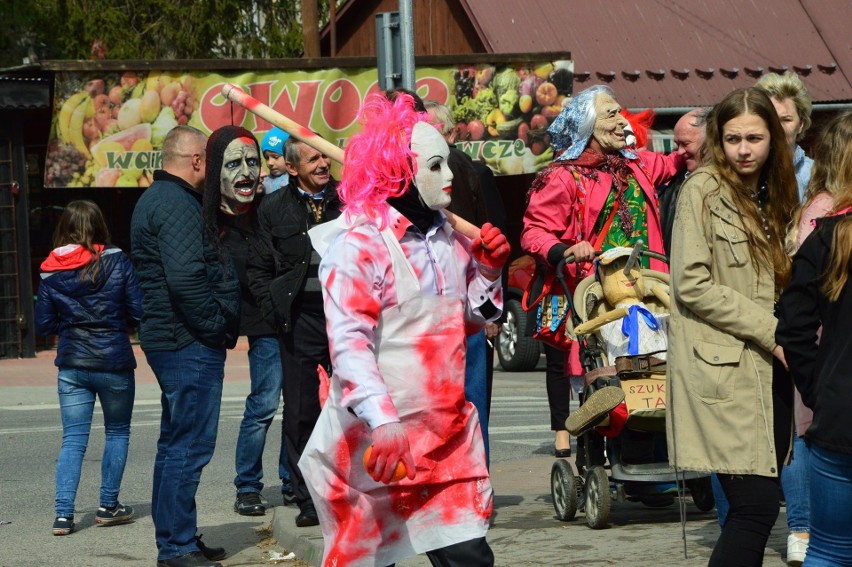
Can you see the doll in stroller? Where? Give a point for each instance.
(619, 319)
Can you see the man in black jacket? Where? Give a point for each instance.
(689, 134)
(283, 276)
(190, 313)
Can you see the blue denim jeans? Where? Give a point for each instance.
(191, 384)
(831, 515)
(794, 481)
(722, 504)
(77, 391)
(261, 406)
(475, 382)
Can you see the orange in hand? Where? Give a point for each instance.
(398, 474)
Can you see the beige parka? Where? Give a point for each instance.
(721, 336)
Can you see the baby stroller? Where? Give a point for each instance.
(636, 450)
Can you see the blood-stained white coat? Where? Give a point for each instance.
(397, 304)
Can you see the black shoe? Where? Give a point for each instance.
(63, 525)
(562, 453)
(211, 553)
(194, 559)
(249, 504)
(118, 514)
(288, 497)
(307, 517)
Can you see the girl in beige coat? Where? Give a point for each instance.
(729, 396)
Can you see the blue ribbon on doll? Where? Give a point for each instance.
(630, 326)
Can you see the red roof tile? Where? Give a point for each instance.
(679, 52)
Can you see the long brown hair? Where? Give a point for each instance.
(82, 222)
(832, 173)
(777, 174)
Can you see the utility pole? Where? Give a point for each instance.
(310, 28)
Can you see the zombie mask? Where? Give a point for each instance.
(433, 178)
(239, 175)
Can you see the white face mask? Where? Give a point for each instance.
(433, 177)
(239, 175)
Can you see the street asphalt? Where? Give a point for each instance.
(525, 529)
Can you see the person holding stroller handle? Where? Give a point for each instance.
(597, 194)
(729, 397)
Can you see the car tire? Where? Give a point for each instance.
(516, 350)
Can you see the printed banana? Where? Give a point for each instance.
(67, 110)
(75, 129)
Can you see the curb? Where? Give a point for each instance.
(306, 543)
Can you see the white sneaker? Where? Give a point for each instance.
(797, 547)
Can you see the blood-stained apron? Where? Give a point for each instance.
(420, 351)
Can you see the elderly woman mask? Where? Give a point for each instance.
(239, 175)
(609, 125)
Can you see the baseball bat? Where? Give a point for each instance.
(314, 140)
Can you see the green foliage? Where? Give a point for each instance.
(152, 29)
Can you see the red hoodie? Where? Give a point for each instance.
(68, 257)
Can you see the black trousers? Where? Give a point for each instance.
(302, 350)
(558, 387)
(755, 500)
(470, 553)
(754, 508)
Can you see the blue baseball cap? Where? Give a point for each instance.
(274, 141)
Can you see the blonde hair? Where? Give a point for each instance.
(789, 85)
(442, 114)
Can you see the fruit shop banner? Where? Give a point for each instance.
(108, 128)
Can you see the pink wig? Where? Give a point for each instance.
(379, 160)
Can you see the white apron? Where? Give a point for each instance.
(420, 353)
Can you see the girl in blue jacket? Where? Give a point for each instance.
(89, 296)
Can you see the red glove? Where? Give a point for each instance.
(390, 446)
(491, 250)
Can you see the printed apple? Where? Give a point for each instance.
(523, 132)
(115, 95)
(475, 130)
(538, 122)
(129, 79)
(525, 103)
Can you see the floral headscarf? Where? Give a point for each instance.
(573, 128)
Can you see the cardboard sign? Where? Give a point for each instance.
(647, 393)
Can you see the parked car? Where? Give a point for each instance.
(516, 349)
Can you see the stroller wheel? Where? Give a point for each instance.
(564, 489)
(598, 498)
(702, 493)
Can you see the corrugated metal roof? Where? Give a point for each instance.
(674, 53)
(24, 93)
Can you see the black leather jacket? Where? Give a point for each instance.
(278, 260)
(668, 205)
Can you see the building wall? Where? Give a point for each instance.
(441, 27)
